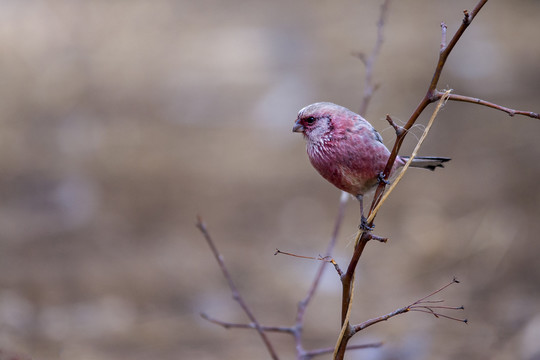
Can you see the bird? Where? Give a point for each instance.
(348, 152)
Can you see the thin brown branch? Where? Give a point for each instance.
(418, 305)
(347, 282)
(298, 256)
(368, 323)
(422, 300)
(229, 325)
(472, 100)
(295, 330)
(329, 350)
(396, 181)
(325, 259)
(287, 330)
(399, 130)
(428, 98)
(302, 305)
(369, 61)
(347, 278)
(236, 294)
(363, 238)
(438, 315)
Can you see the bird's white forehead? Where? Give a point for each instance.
(315, 107)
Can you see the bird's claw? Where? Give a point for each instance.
(380, 178)
(364, 225)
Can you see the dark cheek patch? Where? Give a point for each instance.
(330, 125)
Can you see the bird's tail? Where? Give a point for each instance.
(427, 162)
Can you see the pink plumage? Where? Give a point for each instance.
(346, 150)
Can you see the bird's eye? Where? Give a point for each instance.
(310, 120)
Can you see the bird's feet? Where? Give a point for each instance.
(364, 225)
(380, 178)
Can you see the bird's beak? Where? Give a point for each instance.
(298, 127)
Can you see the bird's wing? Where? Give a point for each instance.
(362, 123)
(377, 136)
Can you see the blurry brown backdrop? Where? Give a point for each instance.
(122, 120)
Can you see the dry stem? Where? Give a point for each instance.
(422, 305)
(440, 104)
(369, 62)
(297, 329)
(347, 278)
(363, 237)
(236, 294)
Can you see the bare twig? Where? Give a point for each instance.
(236, 294)
(295, 330)
(329, 350)
(425, 304)
(369, 89)
(299, 256)
(399, 130)
(363, 236)
(369, 61)
(418, 305)
(302, 305)
(229, 325)
(511, 112)
(440, 104)
(326, 259)
(429, 97)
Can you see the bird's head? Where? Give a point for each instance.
(322, 120)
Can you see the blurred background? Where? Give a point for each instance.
(120, 121)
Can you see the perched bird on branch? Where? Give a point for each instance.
(347, 151)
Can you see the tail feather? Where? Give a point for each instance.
(427, 162)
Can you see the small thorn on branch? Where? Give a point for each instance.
(466, 17)
(399, 130)
(443, 35)
(378, 238)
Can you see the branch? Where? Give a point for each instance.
(295, 330)
(440, 104)
(422, 305)
(329, 350)
(369, 62)
(288, 330)
(229, 325)
(325, 259)
(430, 94)
(511, 112)
(302, 305)
(363, 237)
(236, 294)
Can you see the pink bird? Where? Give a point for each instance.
(347, 151)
